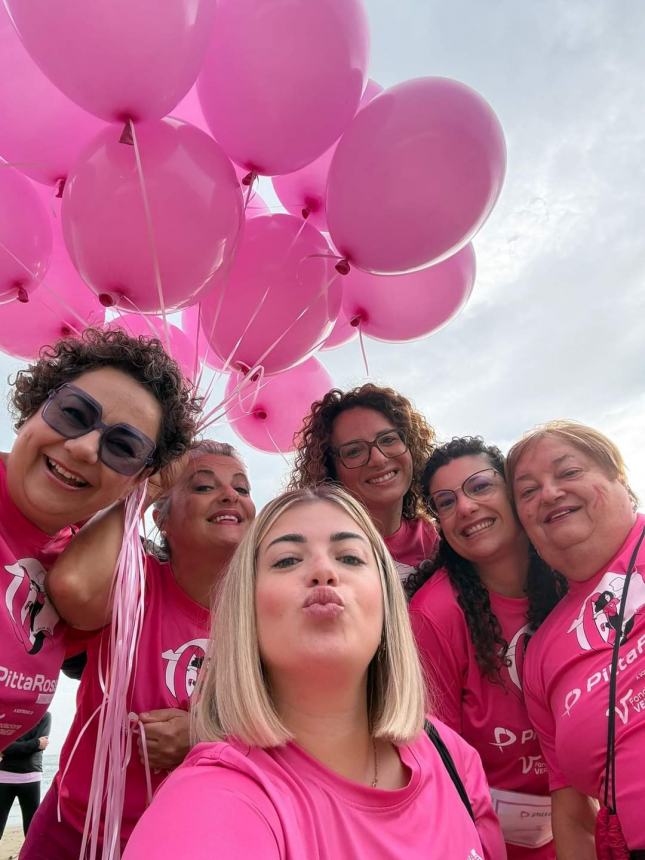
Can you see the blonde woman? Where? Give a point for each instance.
(311, 710)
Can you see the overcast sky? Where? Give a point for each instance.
(554, 325)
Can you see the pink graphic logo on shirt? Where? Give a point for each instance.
(597, 622)
(33, 615)
(183, 668)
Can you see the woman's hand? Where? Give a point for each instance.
(167, 733)
(160, 483)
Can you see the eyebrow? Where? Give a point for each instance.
(557, 462)
(298, 538)
(380, 433)
(212, 474)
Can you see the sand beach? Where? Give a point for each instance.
(10, 843)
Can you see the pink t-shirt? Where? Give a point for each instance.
(566, 682)
(490, 716)
(31, 633)
(238, 802)
(170, 653)
(413, 542)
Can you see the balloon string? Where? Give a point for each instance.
(275, 445)
(57, 298)
(224, 404)
(250, 191)
(364, 354)
(17, 260)
(239, 340)
(296, 237)
(199, 363)
(114, 737)
(150, 230)
(324, 289)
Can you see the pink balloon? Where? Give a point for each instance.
(41, 131)
(174, 339)
(282, 80)
(59, 307)
(303, 192)
(415, 176)
(267, 412)
(409, 306)
(25, 236)
(280, 300)
(196, 215)
(190, 319)
(343, 331)
(118, 58)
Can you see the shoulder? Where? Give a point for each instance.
(226, 768)
(213, 799)
(436, 597)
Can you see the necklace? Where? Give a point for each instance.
(375, 780)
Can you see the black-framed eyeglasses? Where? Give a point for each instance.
(72, 412)
(391, 443)
(477, 486)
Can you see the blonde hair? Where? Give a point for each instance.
(591, 442)
(234, 699)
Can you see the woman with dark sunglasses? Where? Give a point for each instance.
(374, 443)
(202, 519)
(485, 595)
(94, 416)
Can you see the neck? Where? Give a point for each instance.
(198, 572)
(508, 574)
(388, 519)
(330, 722)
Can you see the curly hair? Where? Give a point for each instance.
(142, 358)
(544, 587)
(315, 463)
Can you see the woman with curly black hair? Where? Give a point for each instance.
(374, 443)
(95, 416)
(484, 596)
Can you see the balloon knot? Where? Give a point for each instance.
(342, 267)
(250, 177)
(126, 135)
(306, 212)
(23, 295)
(60, 186)
(65, 331)
(261, 414)
(242, 368)
(356, 320)
(107, 300)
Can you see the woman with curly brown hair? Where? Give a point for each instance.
(486, 594)
(95, 416)
(375, 444)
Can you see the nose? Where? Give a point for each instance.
(465, 505)
(321, 572)
(85, 448)
(228, 494)
(377, 457)
(551, 491)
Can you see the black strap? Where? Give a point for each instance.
(449, 764)
(610, 760)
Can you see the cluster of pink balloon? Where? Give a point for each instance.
(384, 190)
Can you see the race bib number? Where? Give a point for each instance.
(525, 819)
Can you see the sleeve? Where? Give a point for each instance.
(542, 719)
(21, 748)
(193, 816)
(471, 771)
(443, 667)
